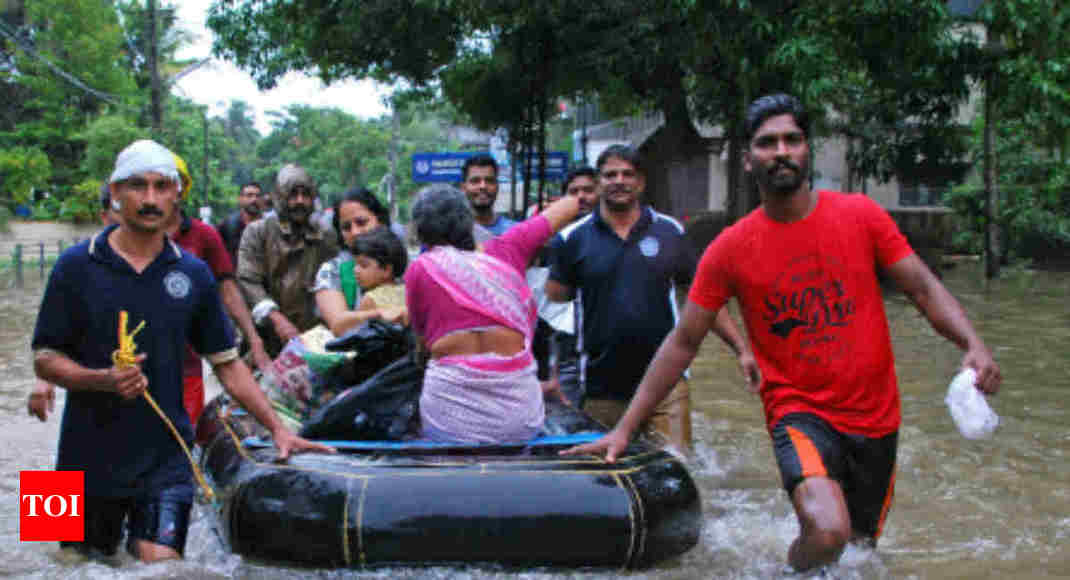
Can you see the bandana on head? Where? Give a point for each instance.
(142, 157)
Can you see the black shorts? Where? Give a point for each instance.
(161, 517)
(805, 445)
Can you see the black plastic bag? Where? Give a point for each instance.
(380, 408)
(376, 344)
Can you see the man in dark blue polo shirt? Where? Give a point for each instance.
(622, 264)
(134, 470)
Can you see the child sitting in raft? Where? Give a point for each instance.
(379, 260)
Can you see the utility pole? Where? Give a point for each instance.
(157, 104)
(204, 166)
(391, 184)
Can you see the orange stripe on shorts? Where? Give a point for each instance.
(809, 458)
(887, 504)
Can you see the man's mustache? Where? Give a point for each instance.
(150, 210)
(784, 163)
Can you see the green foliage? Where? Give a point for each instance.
(1025, 64)
(83, 203)
(105, 136)
(1031, 58)
(894, 70)
(47, 209)
(67, 72)
(384, 39)
(1034, 197)
(22, 171)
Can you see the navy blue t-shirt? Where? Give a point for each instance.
(625, 293)
(123, 446)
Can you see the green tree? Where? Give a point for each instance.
(1025, 67)
(338, 150)
(23, 170)
(504, 62)
(66, 69)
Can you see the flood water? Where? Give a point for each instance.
(963, 509)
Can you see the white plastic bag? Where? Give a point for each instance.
(968, 407)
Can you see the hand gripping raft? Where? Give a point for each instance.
(125, 357)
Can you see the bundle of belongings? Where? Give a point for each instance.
(364, 385)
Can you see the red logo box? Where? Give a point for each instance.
(52, 506)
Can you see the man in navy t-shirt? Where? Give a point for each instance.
(622, 264)
(134, 469)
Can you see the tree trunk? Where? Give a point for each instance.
(992, 249)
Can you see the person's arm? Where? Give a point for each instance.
(239, 383)
(252, 279)
(672, 359)
(235, 305)
(947, 317)
(725, 328)
(558, 292)
(252, 271)
(337, 315)
(59, 369)
(561, 212)
(558, 288)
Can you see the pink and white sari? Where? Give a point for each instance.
(482, 398)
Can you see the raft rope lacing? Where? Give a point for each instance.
(125, 357)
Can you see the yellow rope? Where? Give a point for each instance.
(125, 357)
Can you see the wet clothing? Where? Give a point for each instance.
(625, 294)
(160, 516)
(807, 446)
(203, 241)
(813, 309)
(277, 267)
(122, 446)
(486, 397)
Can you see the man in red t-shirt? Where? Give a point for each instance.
(203, 241)
(803, 267)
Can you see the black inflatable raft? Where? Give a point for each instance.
(417, 503)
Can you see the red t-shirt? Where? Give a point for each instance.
(813, 309)
(203, 241)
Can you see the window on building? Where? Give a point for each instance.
(912, 194)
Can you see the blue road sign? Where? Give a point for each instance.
(446, 167)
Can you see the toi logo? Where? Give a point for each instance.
(51, 506)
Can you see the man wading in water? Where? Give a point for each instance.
(803, 267)
(134, 470)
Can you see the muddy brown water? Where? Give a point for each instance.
(963, 509)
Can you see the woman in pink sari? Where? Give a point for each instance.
(476, 315)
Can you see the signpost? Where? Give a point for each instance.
(446, 167)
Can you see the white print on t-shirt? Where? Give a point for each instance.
(177, 284)
(649, 246)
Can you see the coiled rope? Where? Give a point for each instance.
(125, 357)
